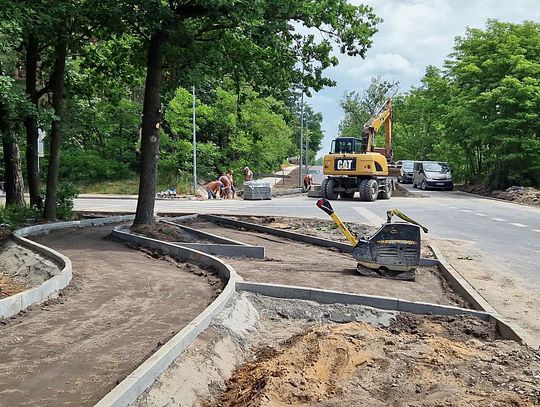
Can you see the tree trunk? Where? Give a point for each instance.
(12, 163)
(31, 125)
(150, 133)
(56, 84)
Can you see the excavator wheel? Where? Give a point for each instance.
(369, 190)
(386, 192)
(327, 189)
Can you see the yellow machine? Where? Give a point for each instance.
(355, 165)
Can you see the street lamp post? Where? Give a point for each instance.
(301, 135)
(194, 145)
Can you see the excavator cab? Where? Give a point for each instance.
(346, 145)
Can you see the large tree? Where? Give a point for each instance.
(264, 29)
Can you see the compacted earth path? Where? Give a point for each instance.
(294, 263)
(121, 305)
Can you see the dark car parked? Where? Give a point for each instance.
(432, 174)
(407, 167)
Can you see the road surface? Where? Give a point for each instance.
(505, 230)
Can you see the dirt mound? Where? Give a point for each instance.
(326, 229)
(459, 327)
(357, 364)
(522, 195)
(517, 194)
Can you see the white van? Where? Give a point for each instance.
(432, 174)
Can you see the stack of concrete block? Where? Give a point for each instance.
(257, 190)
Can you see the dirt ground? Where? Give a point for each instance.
(121, 305)
(290, 182)
(293, 263)
(21, 268)
(262, 351)
(509, 294)
(516, 194)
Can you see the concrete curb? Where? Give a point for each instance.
(14, 304)
(144, 376)
(456, 281)
(141, 378)
(332, 297)
(317, 241)
(222, 247)
(277, 192)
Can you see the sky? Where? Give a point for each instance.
(413, 35)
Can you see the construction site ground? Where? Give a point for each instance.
(294, 263)
(121, 305)
(261, 351)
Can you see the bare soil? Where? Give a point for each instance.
(21, 268)
(505, 291)
(293, 263)
(290, 182)
(356, 364)
(262, 351)
(121, 305)
(516, 194)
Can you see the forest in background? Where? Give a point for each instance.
(109, 83)
(480, 112)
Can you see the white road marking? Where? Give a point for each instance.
(453, 207)
(536, 230)
(465, 210)
(371, 217)
(480, 214)
(499, 219)
(519, 225)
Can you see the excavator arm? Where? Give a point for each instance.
(382, 118)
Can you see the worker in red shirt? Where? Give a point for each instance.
(213, 189)
(308, 182)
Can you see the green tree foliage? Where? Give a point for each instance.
(359, 107)
(481, 113)
(228, 137)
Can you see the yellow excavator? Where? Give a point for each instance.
(356, 165)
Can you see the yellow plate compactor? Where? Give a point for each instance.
(392, 252)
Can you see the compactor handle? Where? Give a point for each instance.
(324, 204)
(326, 207)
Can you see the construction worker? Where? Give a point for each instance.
(308, 182)
(226, 190)
(231, 178)
(248, 174)
(213, 189)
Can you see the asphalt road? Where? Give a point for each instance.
(508, 233)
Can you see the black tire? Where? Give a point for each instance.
(347, 195)
(414, 185)
(327, 189)
(423, 185)
(449, 188)
(386, 192)
(323, 188)
(369, 190)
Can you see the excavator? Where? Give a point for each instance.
(356, 165)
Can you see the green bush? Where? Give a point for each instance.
(67, 192)
(89, 165)
(16, 216)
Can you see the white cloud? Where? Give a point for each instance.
(382, 64)
(414, 34)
